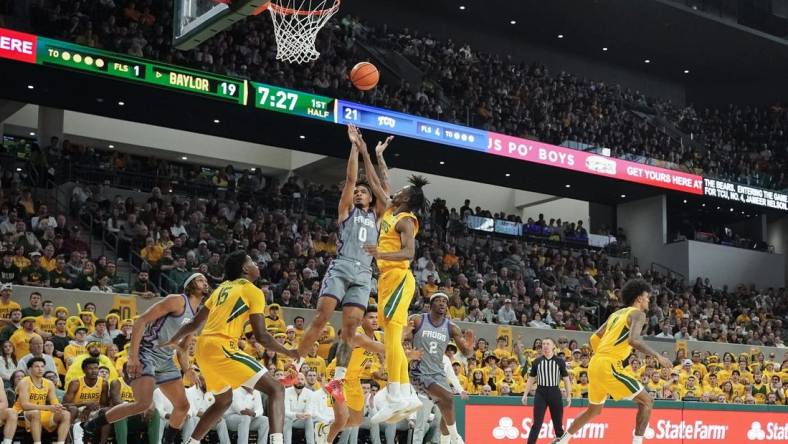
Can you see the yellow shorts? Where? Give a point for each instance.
(47, 421)
(395, 293)
(354, 395)
(223, 365)
(606, 376)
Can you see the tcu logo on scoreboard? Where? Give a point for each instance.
(387, 121)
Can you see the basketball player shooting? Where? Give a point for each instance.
(348, 280)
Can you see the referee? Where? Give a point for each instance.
(547, 372)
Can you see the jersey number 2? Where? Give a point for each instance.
(433, 347)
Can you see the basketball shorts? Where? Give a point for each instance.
(224, 366)
(158, 362)
(422, 382)
(354, 395)
(47, 421)
(606, 376)
(349, 282)
(395, 293)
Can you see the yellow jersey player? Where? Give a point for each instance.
(618, 336)
(36, 397)
(396, 284)
(365, 347)
(224, 366)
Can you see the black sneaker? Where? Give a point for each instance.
(171, 435)
(90, 432)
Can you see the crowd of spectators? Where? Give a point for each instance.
(461, 85)
(489, 279)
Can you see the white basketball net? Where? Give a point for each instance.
(296, 24)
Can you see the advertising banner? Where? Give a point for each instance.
(584, 162)
(485, 424)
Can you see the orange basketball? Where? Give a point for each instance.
(364, 76)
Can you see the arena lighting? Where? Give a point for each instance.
(623, 196)
(111, 146)
(121, 103)
(32, 133)
(30, 87)
(560, 36)
(462, 8)
(216, 121)
(686, 71)
(513, 22)
(302, 137)
(647, 61)
(19, 170)
(442, 162)
(184, 158)
(568, 186)
(685, 200)
(604, 48)
(507, 174)
(253, 169)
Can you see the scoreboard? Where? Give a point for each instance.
(33, 49)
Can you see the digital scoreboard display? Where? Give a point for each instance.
(67, 55)
(29, 48)
(283, 100)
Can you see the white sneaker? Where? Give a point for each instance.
(457, 440)
(321, 433)
(387, 409)
(413, 404)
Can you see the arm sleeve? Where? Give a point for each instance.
(535, 364)
(562, 368)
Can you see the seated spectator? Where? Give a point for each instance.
(246, 413)
(199, 401)
(37, 351)
(36, 398)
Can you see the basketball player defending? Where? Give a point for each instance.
(348, 280)
(150, 363)
(619, 335)
(431, 334)
(236, 302)
(396, 284)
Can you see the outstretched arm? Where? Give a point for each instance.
(382, 167)
(381, 195)
(368, 344)
(464, 341)
(407, 233)
(637, 320)
(351, 176)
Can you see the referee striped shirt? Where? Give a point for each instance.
(548, 372)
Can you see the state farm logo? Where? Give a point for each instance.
(774, 432)
(667, 429)
(601, 165)
(507, 430)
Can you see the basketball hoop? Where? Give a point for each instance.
(296, 24)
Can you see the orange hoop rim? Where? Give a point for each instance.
(288, 11)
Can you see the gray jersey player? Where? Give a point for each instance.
(430, 334)
(348, 280)
(150, 364)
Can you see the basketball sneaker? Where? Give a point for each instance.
(335, 389)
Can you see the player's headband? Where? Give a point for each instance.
(191, 278)
(439, 295)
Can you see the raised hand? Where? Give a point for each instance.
(381, 147)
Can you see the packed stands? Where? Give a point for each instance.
(491, 91)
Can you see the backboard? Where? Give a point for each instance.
(195, 21)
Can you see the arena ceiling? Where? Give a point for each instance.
(672, 37)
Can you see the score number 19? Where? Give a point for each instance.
(228, 89)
